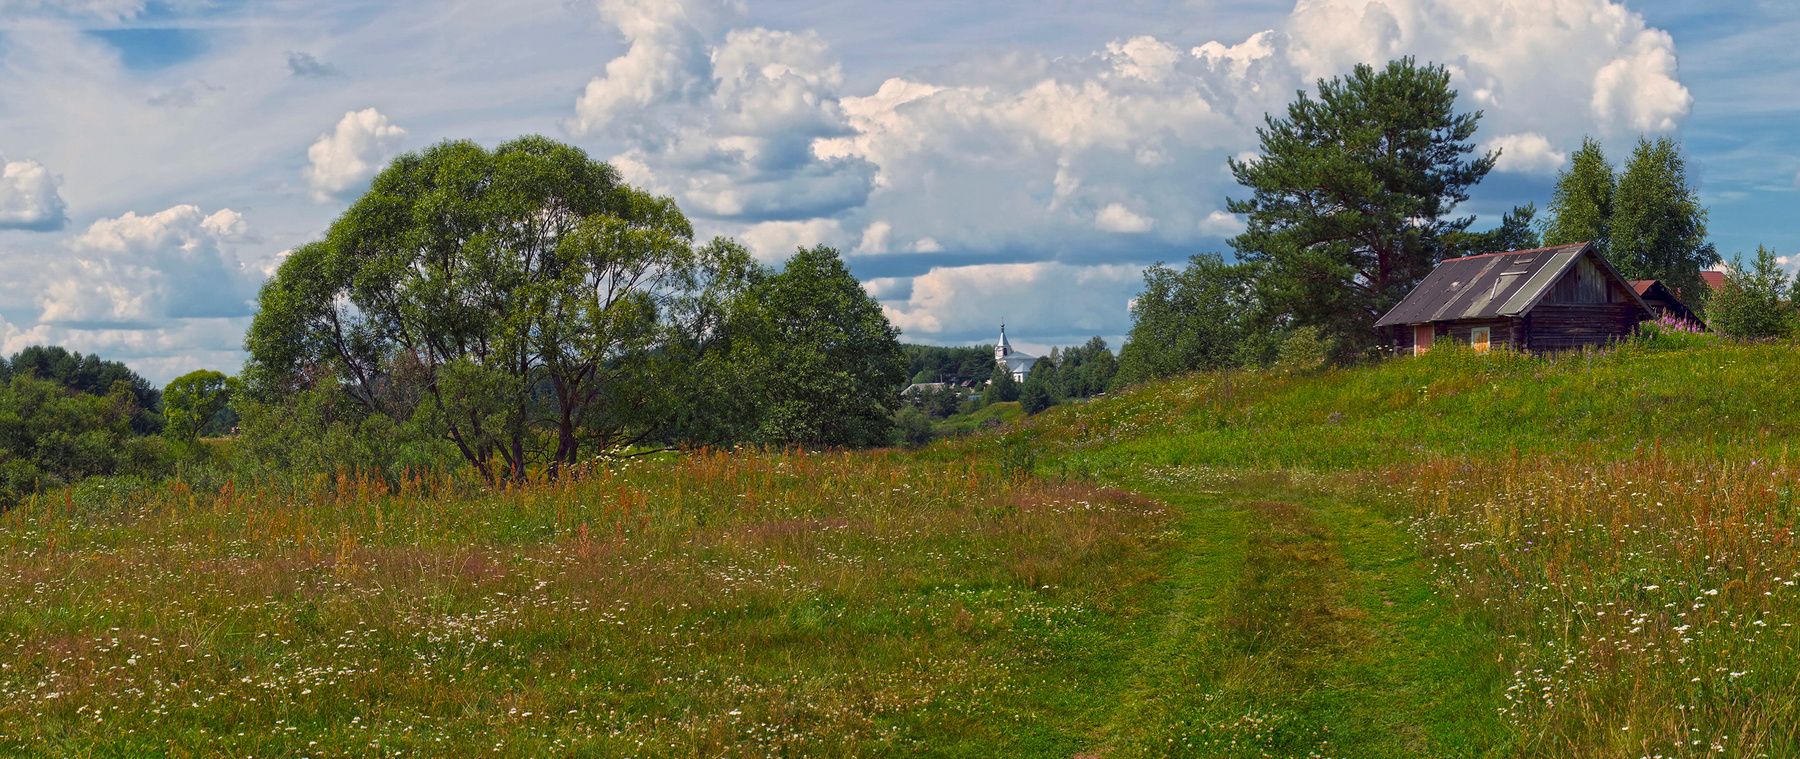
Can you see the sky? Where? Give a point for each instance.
(975, 162)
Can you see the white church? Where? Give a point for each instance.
(1017, 363)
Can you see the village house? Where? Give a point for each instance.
(1549, 299)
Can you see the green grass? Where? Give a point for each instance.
(1403, 560)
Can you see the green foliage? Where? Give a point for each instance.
(1306, 349)
(1038, 393)
(1189, 320)
(1582, 208)
(936, 403)
(1084, 371)
(91, 375)
(50, 437)
(972, 364)
(1658, 226)
(522, 299)
(827, 364)
(912, 427)
(1004, 388)
(1516, 232)
(192, 400)
(1352, 195)
(1754, 304)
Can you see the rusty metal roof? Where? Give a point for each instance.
(1490, 286)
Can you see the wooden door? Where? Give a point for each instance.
(1422, 336)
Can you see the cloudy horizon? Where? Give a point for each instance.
(1017, 161)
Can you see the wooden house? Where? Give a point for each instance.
(1663, 301)
(1549, 299)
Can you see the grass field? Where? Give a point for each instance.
(1455, 556)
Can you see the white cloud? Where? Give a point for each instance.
(106, 10)
(28, 197)
(725, 119)
(137, 272)
(1222, 224)
(341, 161)
(1054, 299)
(773, 241)
(927, 245)
(875, 238)
(1528, 153)
(1118, 218)
(1012, 151)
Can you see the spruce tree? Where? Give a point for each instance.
(1658, 226)
(1582, 208)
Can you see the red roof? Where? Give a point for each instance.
(1714, 279)
(1642, 285)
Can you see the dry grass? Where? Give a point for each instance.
(737, 604)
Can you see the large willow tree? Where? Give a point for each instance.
(522, 302)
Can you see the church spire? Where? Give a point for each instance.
(1001, 350)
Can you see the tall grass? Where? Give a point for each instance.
(742, 604)
(1644, 607)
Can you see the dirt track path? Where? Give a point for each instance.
(1300, 624)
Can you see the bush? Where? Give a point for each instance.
(912, 427)
(1307, 349)
(1753, 304)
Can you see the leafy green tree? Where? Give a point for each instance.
(1658, 226)
(828, 363)
(1003, 388)
(1189, 320)
(527, 289)
(1754, 303)
(912, 427)
(91, 375)
(1352, 195)
(1582, 208)
(50, 437)
(192, 400)
(1037, 394)
(1087, 370)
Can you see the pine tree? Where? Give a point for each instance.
(1582, 209)
(1658, 226)
(1353, 195)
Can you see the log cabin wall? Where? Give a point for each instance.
(1569, 326)
(1499, 331)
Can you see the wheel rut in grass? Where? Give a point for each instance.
(1298, 623)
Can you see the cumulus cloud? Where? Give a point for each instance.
(1222, 224)
(776, 240)
(341, 161)
(1118, 218)
(1058, 302)
(28, 197)
(1528, 153)
(725, 118)
(137, 272)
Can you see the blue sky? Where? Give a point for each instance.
(975, 161)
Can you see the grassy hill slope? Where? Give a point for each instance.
(1452, 556)
(1464, 555)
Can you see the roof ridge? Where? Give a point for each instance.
(1519, 252)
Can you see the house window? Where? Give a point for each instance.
(1479, 338)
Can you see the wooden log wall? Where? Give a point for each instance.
(1567, 326)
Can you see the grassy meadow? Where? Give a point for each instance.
(1460, 555)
